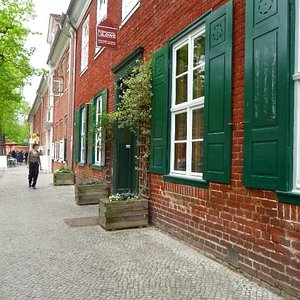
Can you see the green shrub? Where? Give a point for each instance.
(63, 170)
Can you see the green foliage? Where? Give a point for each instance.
(134, 112)
(122, 197)
(63, 170)
(17, 129)
(15, 69)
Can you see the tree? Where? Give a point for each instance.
(15, 69)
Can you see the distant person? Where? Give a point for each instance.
(34, 162)
(26, 157)
(13, 154)
(20, 157)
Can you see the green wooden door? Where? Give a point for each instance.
(267, 83)
(125, 174)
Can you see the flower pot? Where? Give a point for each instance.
(90, 193)
(63, 178)
(123, 214)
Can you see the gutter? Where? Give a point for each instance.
(73, 92)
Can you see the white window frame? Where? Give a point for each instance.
(85, 45)
(56, 151)
(61, 150)
(82, 135)
(99, 134)
(296, 77)
(186, 107)
(52, 151)
(101, 15)
(101, 10)
(128, 9)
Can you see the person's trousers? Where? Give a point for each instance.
(33, 173)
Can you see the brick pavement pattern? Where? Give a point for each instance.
(42, 257)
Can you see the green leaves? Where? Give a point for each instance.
(134, 112)
(15, 69)
(134, 109)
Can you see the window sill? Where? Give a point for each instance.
(83, 71)
(186, 181)
(98, 52)
(97, 167)
(130, 14)
(81, 164)
(288, 197)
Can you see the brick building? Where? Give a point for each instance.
(61, 97)
(224, 155)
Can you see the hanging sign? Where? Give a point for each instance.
(107, 34)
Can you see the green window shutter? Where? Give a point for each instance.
(91, 132)
(266, 95)
(86, 131)
(160, 113)
(218, 92)
(104, 111)
(77, 135)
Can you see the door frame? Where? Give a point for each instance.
(122, 70)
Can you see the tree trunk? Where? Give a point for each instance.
(2, 143)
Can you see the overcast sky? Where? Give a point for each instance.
(43, 9)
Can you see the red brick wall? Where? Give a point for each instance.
(37, 119)
(63, 107)
(264, 233)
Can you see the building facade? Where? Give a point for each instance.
(223, 163)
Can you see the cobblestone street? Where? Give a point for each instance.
(43, 257)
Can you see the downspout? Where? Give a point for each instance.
(73, 88)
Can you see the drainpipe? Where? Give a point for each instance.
(73, 87)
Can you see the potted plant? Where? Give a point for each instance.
(125, 210)
(89, 192)
(63, 176)
(133, 112)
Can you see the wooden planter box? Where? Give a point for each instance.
(123, 214)
(63, 178)
(90, 194)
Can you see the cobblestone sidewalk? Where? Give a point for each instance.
(42, 257)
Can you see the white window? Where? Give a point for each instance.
(61, 150)
(128, 8)
(52, 151)
(56, 151)
(85, 45)
(101, 10)
(82, 135)
(101, 15)
(296, 77)
(187, 108)
(58, 86)
(99, 135)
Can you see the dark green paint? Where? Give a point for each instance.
(124, 164)
(218, 94)
(160, 113)
(288, 198)
(77, 135)
(267, 96)
(91, 132)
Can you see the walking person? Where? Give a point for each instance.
(26, 157)
(34, 162)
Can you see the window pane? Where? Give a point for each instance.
(181, 89)
(198, 83)
(180, 127)
(198, 123)
(199, 48)
(197, 156)
(180, 157)
(182, 60)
